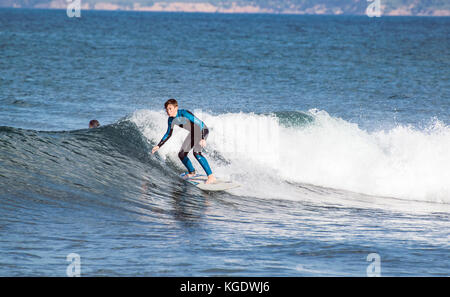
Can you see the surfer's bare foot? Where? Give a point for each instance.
(191, 174)
(211, 179)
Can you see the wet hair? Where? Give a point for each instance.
(171, 102)
(94, 124)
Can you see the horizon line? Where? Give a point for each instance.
(222, 12)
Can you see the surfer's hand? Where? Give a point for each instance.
(202, 143)
(155, 149)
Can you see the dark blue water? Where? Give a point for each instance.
(335, 127)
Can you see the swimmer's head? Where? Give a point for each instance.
(94, 124)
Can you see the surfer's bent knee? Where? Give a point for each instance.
(182, 155)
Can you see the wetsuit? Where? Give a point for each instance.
(198, 131)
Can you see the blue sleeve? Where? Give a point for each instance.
(168, 132)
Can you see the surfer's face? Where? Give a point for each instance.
(172, 110)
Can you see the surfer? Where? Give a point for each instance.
(198, 132)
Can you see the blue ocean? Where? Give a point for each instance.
(335, 127)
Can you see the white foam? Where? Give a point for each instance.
(402, 162)
(263, 155)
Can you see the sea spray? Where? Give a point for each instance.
(265, 153)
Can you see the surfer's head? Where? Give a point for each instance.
(94, 124)
(171, 107)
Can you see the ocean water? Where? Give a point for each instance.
(336, 128)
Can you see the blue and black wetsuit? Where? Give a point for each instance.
(198, 131)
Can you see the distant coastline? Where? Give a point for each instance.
(234, 7)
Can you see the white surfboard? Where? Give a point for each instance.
(198, 180)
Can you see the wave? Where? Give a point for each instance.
(90, 166)
(269, 152)
(305, 156)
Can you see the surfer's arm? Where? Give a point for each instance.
(168, 133)
(205, 132)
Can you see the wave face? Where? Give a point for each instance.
(92, 166)
(267, 152)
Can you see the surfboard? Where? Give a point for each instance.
(198, 180)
